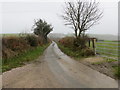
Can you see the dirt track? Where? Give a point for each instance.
(56, 70)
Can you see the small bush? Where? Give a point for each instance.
(67, 41)
(87, 52)
(32, 40)
(80, 42)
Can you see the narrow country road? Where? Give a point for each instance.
(56, 70)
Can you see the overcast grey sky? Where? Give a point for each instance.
(18, 17)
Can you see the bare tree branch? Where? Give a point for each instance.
(81, 15)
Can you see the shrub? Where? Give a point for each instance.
(87, 52)
(14, 43)
(32, 40)
(67, 41)
(80, 42)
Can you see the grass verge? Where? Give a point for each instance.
(20, 60)
(117, 71)
(106, 60)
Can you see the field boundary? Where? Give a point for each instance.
(107, 49)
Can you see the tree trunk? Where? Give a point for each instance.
(83, 33)
(79, 33)
(76, 33)
(42, 38)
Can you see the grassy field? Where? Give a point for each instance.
(108, 48)
(20, 60)
(10, 34)
(14, 34)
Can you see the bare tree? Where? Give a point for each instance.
(81, 15)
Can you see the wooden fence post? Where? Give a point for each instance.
(94, 45)
(89, 42)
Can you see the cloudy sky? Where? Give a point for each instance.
(18, 17)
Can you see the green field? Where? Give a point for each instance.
(11, 34)
(108, 48)
(14, 34)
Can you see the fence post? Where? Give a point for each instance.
(94, 40)
(89, 42)
(94, 45)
